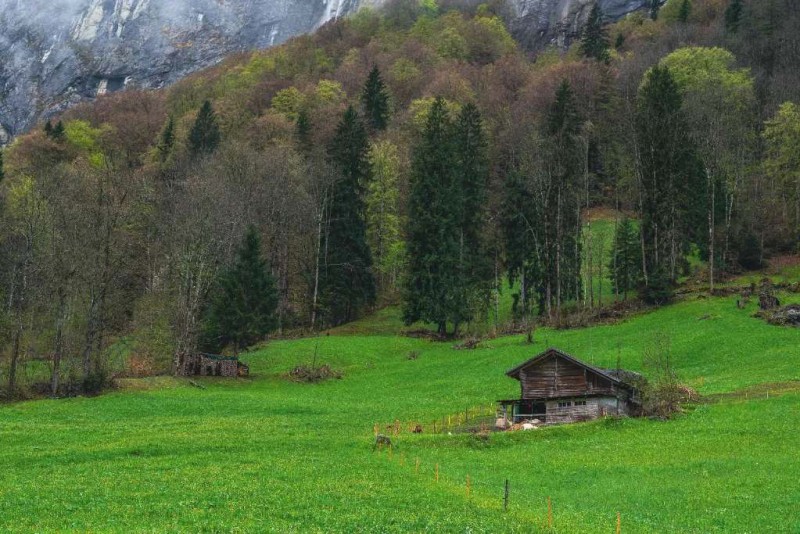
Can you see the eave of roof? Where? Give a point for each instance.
(514, 373)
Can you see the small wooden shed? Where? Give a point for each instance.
(559, 388)
(203, 364)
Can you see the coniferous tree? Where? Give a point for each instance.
(59, 133)
(594, 41)
(733, 16)
(433, 226)
(303, 131)
(204, 136)
(166, 140)
(625, 266)
(472, 174)
(375, 100)
(48, 129)
(2, 171)
(347, 283)
(685, 11)
(243, 308)
(670, 178)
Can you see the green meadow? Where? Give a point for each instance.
(265, 454)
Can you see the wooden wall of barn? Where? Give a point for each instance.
(557, 377)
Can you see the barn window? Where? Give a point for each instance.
(580, 403)
(565, 404)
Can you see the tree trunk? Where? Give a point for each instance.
(58, 349)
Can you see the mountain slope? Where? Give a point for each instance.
(57, 53)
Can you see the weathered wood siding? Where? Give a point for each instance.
(593, 408)
(557, 377)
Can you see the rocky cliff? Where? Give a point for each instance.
(55, 53)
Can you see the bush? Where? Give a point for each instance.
(658, 290)
(313, 373)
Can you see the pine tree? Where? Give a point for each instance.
(242, 309)
(59, 133)
(204, 136)
(303, 131)
(594, 41)
(522, 240)
(347, 283)
(48, 129)
(733, 16)
(433, 226)
(625, 266)
(670, 179)
(472, 174)
(375, 100)
(685, 11)
(166, 140)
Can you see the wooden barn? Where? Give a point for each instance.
(202, 364)
(559, 388)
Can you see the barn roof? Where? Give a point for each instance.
(554, 352)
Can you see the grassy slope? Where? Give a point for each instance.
(267, 454)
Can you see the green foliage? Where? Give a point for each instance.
(2, 168)
(671, 175)
(289, 102)
(48, 128)
(782, 161)
(655, 7)
(375, 101)
(303, 131)
(347, 284)
(420, 110)
(701, 69)
(751, 254)
(733, 16)
(242, 309)
(684, 11)
(327, 92)
(204, 136)
(625, 267)
(166, 141)
(384, 226)
(594, 40)
(58, 132)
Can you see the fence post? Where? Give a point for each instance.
(505, 497)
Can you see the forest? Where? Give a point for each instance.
(414, 156)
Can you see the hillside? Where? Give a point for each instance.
(268, 454)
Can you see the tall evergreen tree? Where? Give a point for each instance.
(59, 133)
(166, 140)
(521, 219)
(48, 128)
(733, 16)
(243, 308)
(594, 41)
(375, 100)
(204, 136)
(303, 131)
(670, 177)
(625, 266)
(685, 11)
(472, 175)
(2, 170)
(434, 230)
(347, 283)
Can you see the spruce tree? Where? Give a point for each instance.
(59, 133)
(671, 177)
(303, 131)
(166, 140)
(685, 11)
(204, 136)
(594, 41)
(48, 129)
(472, 175)
(733, 16)
(242, 309)
(625, 266)
(434, 231)
(347, 283)
(375, 100)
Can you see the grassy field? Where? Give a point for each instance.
(267, 454)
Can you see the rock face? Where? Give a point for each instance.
(55, 53)
(539, 23)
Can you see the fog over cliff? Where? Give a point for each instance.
(55, 53)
